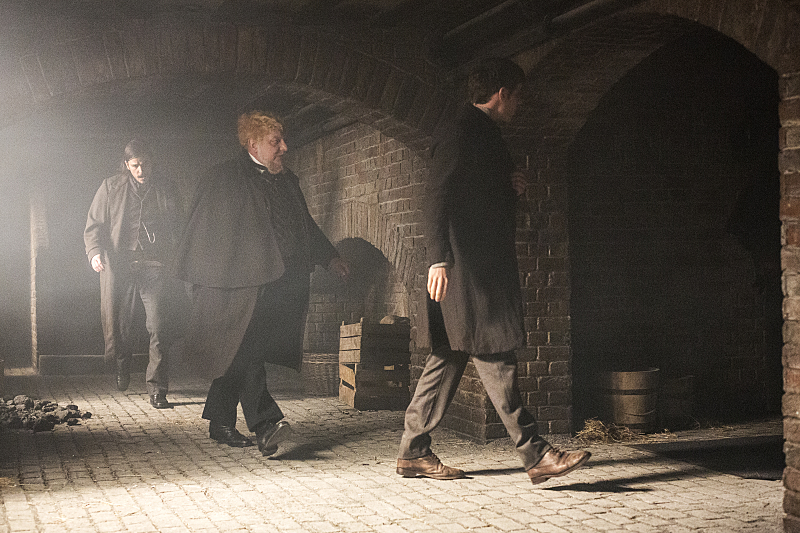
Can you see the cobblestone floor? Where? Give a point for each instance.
(132, 468)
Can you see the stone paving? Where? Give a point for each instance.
(132, 468)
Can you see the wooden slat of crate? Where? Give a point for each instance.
(369, 329)
(375, 356)
(363, 402)
(375, 377)
(366, 342)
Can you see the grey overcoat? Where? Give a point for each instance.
(103, 235)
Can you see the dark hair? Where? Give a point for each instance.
(136, 150)
(490, 76)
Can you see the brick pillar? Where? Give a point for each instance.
(789, 164)
(39, 240)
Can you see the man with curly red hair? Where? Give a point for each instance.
(248, 249)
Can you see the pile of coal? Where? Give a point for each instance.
(23, 412)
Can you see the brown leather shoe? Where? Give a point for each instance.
(556, 463)
(428, 466)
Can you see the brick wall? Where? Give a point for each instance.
(789, 163)
(360, 185)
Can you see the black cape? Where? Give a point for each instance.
(228, 252)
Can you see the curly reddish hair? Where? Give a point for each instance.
(256, 124)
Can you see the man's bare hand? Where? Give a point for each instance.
(519, 181)
(437, 283)
(97, 263)
(340, 267)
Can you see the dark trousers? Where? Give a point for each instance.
(437, 387)
(275, 330)
(145, 280)
(245, 382)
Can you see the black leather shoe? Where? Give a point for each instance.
(228, 435)
(270, 435)
(159, 401)
(123, 378)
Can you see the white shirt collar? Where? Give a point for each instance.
(257, 162)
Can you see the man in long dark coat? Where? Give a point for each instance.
(129, 236)
(248, 249)
(474, 302)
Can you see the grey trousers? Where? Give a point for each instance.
(120, 287)
(438, 385)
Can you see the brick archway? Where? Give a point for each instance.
(354, 78)
(351, 78)
(568, 84)
(565, 86)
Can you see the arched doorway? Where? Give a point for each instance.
(674, 229)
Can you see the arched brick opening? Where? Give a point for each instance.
(362, 187)
(564, 87)
(597, 59)
(242, 66)
(574, 77)
(674, 231)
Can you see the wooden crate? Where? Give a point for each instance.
(371, 388)
(369, 403)
(374, 362)
(366, 342)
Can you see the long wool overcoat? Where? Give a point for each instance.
(104, 235)
(469, 222)
(228, 253)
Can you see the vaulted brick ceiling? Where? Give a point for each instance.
(428, 14)
(456, 32)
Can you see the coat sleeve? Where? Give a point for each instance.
(321, 249)
(96, 235)
(446, 167)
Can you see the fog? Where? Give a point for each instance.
(51, 164)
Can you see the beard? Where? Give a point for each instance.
(274, 166)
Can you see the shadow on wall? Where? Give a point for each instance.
(369, 273)
(371, 291)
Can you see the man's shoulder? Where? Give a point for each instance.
(116, 181)
(229, 168)
(460, 127)
(224, 177)
(290, 175)
(463, 118)
(119, 177)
